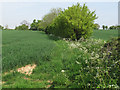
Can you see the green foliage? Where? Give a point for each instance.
(12, 77)
(68, 64)
(22, 27)
(48, 18)
(111, 57)
(106, 27)
(118, 27)
(103, 26)
(24, 47)
(74, 22)
(96, 26)
(114, 27)
(36, 25)
(89, 69)
(1, 27)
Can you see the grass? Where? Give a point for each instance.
(68, 64)
(105, 34)
(25, 47)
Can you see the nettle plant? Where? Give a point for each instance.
(75, 22)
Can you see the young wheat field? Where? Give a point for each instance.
(57, 63)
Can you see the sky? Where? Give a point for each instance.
(12, 12)
(119, 13)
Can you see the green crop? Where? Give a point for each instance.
(68, 64)
(25, 47)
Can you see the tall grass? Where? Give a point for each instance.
(68, 64)
(25, 47)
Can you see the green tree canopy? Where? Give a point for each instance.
(106, 27)
(103, 26)
(22, 27)
(48, 18)
(75, 22)
(35, 25)
(96, 26)
(118, 27)
(113, 27)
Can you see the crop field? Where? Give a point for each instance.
(59, 63)
(105, 34)
(24, 47)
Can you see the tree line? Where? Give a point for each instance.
(111, 27)
(74, 22)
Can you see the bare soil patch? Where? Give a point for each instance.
(27, 70)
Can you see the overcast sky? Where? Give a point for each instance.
(13, 13)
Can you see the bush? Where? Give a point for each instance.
(114, 27)
(112, 58)
(96, 66)
(1, 27)
(22, 27)
(118, 27)
(96, 26)
(74, 22)
(36, 25)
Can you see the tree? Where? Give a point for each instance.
(103, 26)
(22, 27)
(25, 22)
(48, 18)
(112, 27)
(118, 27)
(96, 26)
(1, 27)
(35, 25)
(106, 27)
(74, 22)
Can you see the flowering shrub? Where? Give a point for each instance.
(94, 67)
(112, 58)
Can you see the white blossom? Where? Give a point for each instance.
(62, 70)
